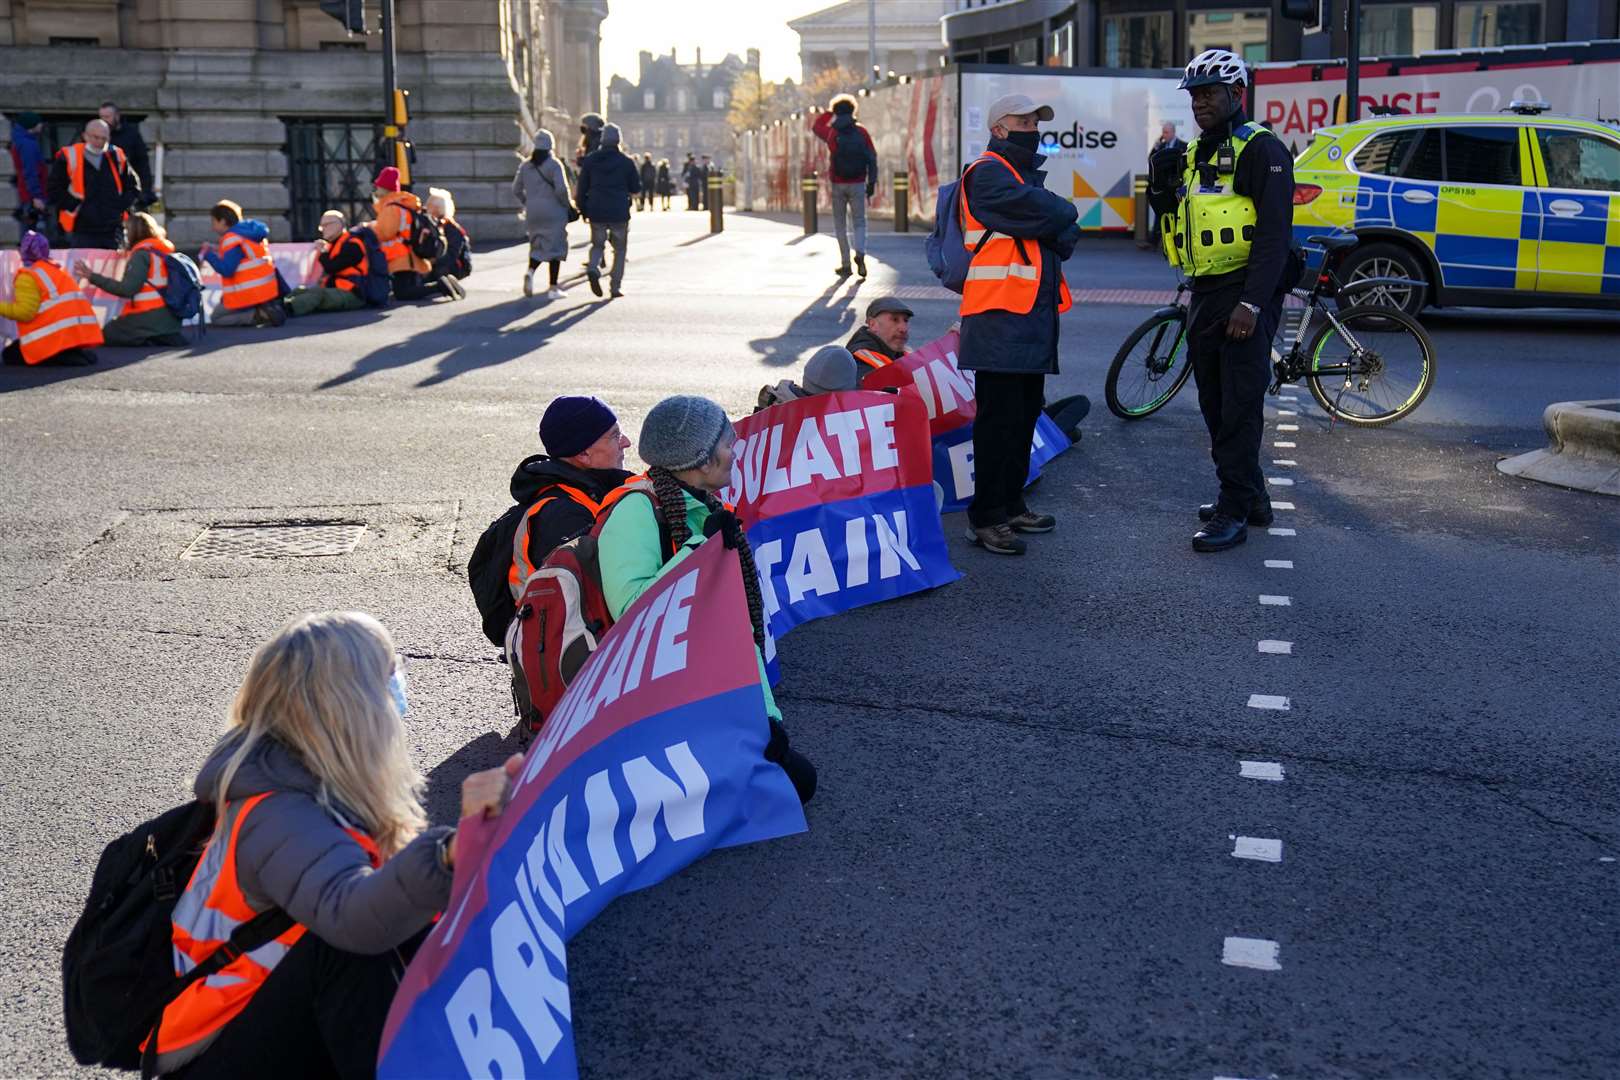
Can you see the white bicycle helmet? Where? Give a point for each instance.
(1215, 67)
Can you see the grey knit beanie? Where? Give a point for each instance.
(681, 432)
(831, 368)
(610, 135)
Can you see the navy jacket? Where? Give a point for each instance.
(1004, 341)
(607, 179)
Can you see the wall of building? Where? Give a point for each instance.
(673, 109)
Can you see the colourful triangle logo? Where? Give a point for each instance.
(1121, 188)
(1083, 190)
(1092, 218)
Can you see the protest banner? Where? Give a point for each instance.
(836, 493)
(947, 392)
(653, 758)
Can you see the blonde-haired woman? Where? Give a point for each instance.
(144, 318)
(456, 262)
(319, 816)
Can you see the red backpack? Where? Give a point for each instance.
(563, 615)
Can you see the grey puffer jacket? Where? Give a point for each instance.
(543, 191)
(293, 854)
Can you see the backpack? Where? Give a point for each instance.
(118, 963)
(182, 294)
(849, 153)
(462, 266)
(947, 257)
(489, 567)
(375, 284)
(426, 238)
(562, 616)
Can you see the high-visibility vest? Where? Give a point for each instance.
(398, 250)
(65, 319)
(1213, 227)
(150, 298)
(74, 156)
(872, 358)
(254, 282)
(204, 917)
(348, 279)
(1005, 275)
(522, 567)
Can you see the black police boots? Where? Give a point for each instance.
(1219, 533)
(1259, 514)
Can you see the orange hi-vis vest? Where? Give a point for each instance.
(210, 909)
(254, 282)
(1005, 274)
(348, 279)
(872, 358)
(74, 156)
(150, 298)
(65, 319)
(522, 567)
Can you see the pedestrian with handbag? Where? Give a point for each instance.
(542, 188)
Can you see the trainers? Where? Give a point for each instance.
(528, 283)
(998, 539)
(842, 271)
(860, 265)
(596, 282)
(556, 294)
(1031, 522)
(616, 293)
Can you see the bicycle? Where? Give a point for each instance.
(1385, 371)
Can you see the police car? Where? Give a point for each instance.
(1520, 209)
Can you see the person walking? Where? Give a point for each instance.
(145, 318)
(666, 186)
(649, 183)
(541, 187)
(55, 322)
(93, 188)
(29, 169)
(1229, 205)
(853, 176)
(606, 182)
(1021, 234)
(692, 178)
(590, 137)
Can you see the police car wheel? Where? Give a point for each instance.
(1383, 260)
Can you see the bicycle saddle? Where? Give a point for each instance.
(1333, 243)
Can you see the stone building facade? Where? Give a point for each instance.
(273, 104)
(674, 109)
(907, 36)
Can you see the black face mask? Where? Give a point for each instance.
(539, 155)
(1025, 140)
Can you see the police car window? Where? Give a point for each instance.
(1384, 155)
(1483, 155)
(1426, 162)
(1579, 161)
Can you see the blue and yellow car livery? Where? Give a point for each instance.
(1516, 210)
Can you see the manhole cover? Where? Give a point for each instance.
(284, 540)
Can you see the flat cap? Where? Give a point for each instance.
(886, 304)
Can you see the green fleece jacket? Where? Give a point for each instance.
(631, 556)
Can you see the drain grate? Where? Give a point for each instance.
(275, 540)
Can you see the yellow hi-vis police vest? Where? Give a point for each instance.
(1213, 228)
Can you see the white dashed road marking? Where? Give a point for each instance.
(1287, 412)
(1268, 701)
(1257, 848)
(1286, 463)
(1284, 445)
(1279, 531)
(1282, 506)
(1280, 481)
(1287, 427)
(1257, 953)
(1279, 564)
(1277, 648)
(1261, 770)
(1275, 601)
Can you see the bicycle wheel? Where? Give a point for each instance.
(1150, 367)
(1372, 368)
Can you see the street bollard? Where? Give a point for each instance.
(902, 202)
(808, 187)
(1143, 239)
(717, 198)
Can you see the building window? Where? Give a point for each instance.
(649, 100)
(1398, 29)
(75, 42)
(1487, 25)
(1060, 46)
(330, 165)
(1136, 41)
(680, 100)
(998, 56)
(719, 99)
(616, 101)
(1244, 31)
(1027, 52)
(1579, 161)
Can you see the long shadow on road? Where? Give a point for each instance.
(810, 327)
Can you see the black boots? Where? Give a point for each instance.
(1259, 514)
(1221, 532)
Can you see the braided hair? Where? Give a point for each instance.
(672, 507)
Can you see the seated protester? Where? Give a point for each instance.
(883, 339)
(55, 322)
(832, 368)
(456, 262)
(251, 293)
(393, 210)
(317, 801)
(687, 442)
(555, 496)
(343, 264)
(144, 318)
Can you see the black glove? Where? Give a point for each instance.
(870, 188)
(726, 524)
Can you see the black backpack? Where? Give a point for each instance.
(426, 239)
(487, 572)
(849, 153)
(117, 965)
(375, 286)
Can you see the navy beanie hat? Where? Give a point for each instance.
(571, 424)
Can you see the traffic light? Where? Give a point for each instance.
(351, 13)
(1305, 11)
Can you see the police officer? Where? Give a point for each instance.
(1230, 200)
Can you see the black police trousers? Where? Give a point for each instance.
(1232, 378)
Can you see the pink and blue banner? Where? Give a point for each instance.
(836, 491)
(947, 392)
(653, 758)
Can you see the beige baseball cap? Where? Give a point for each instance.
(1014, 105)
